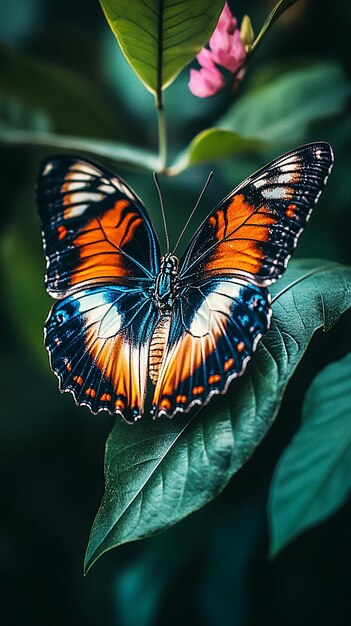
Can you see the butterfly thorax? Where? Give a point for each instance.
(165, 291)
(165, 282)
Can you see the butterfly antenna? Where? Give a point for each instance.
(193, 211)
(162, 209)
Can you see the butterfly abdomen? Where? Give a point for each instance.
(157, 346)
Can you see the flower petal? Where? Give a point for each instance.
(227, 22)
(205, 58)
(231, 54)
(205, 82)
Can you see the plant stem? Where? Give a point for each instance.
(162, 130)
(162, 134)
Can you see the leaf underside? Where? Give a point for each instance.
(313, 477)
(157, 473)
(159, 37)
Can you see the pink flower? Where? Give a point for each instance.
(205, 82)
(208, 80)
(226, 50)
(226, 46)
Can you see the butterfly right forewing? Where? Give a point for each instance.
(254, 230)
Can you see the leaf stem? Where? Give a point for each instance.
(162, 129)
(162, 134)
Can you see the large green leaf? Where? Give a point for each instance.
(127, 156)
(159, 37)
(280, 112)
(157, 473)
(313, 477)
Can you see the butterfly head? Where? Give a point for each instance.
(169, 264)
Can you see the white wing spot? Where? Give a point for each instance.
(47, 169)
(275, 193)
(75, 211)
(86, 197)
(121, 187)
(84, 167)
(106, 188)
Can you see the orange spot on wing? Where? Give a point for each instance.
(165, 404)
(119, 404)
(290, 211)
(215, 378)
(57, 341)
(240, 228)
(240, 346)
(100, 241)
(105, 397)
(78, 380)
(68, 367)
(68, 199)
(181, 399)
(228, 364)
(198, 390)
(62, 232)
(90, 392)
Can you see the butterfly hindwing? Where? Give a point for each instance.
(214, 331)
(253, 232)
(95, 228)
(98, 342)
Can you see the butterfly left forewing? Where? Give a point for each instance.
(95, 229)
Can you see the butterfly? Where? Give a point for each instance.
(126, 314)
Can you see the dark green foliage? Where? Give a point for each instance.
(159, 473)
(313, 477)
(66, 86)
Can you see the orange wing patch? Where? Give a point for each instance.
(100, 243)
(62, 232)
(186, 357)
(118, 363)
(291, 210)
(240, 229)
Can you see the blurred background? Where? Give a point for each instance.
(61, 72)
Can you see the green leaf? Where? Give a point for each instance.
(127, 156)
(277, 10)
(280, 112)
(313, 477)
(157, 473)
(159, 37)
(283, 110)
(68, 101)
(212, 145)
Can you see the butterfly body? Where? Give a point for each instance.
(166, 282)
(126, 314)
